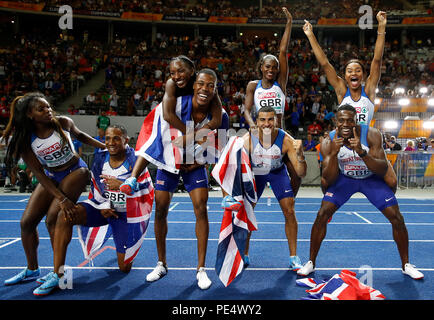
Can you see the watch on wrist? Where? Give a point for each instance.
(363, 153)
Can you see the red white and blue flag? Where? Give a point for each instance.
(138, 212)
(156, 137)
(234, 174)
(343, 286)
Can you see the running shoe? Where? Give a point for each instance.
(159, 271)
(295, 263)
(41, 280)
(410, 270)
(51, 283)
(129, 186)
(230, 203)
(306, 269)
(202, 279)
(24, 275)
(246, 261)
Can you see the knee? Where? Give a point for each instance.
(161, 212)
(323, 216)
(50, 221)
(125, 268)
(397, 220)
(289, 213)
(200, 210)
(28, 225)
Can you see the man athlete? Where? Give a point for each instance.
(195, 181)
(354, 161)
(267, 146)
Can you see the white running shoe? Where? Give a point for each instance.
(202, 279)
(410, 270)
(306, 269)
(159, 271)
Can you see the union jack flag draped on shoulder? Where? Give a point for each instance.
(138, 206)
(155, 141)
(234, 174)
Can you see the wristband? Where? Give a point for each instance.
(381, 32)
(64, 199)
(363, 153)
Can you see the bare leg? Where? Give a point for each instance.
(162, 203)
(199, 197)
(319, 228)
(291, 225)
(400, 234)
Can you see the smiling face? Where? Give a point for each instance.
(204, 88)
(266, 122)
(115, 141)
(269, 69)
(345, 122)
(40, 111)
(180, 73)
(354, 75)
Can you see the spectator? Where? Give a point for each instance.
(392, 144)
(314, 129)
(103, 121)
(309, 144)
(410, 146)
(430, 148)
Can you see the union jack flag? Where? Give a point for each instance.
(234, 174)
(343, 286)
(155, 141)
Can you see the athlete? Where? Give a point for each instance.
(195, 181)
(270, 90)
(350, 90)
(43, 140)
(354, 161)
(110, 168)
(267, 146)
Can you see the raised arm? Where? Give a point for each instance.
(337, 82)
(283, 51)
(375, 71)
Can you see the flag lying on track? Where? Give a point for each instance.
(234, 174)
(138, 211)
(343, 286)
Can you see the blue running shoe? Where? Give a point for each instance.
(246, 261)
(23, 276)
(51, 283)
(230, 203)
(41, 280)
(295, 263)
(129, 186)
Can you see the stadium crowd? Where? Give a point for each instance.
(249, 9)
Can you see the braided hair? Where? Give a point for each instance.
(20, 127)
